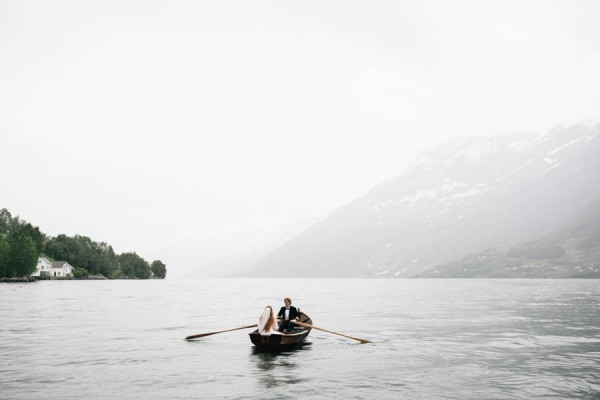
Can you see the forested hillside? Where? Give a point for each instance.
(21, 244)
(571, 252)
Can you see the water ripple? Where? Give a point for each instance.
(451, 339)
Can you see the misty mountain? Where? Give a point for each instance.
(461, 198)
(571, 252)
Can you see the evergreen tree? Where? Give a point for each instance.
(3, 257)
(107, 262)
(22, 254)
(32, 232)
(61, 248)
(134, 266)
(5, 221)
(159, 269)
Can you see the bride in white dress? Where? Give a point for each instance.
(267, 324)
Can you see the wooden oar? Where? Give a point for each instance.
(325, 330)
(214, 333)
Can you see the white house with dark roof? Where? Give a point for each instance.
(52, 269)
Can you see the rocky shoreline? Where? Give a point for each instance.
(18, 280)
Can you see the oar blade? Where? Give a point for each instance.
(200, 335)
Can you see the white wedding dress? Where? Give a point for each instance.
(267, 324)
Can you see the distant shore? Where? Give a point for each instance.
(47, 278)
(18, 280)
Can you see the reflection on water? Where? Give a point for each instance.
(274, 368)
(432, 339)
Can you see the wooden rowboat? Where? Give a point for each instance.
(284, 340)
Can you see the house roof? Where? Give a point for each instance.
(59, 264)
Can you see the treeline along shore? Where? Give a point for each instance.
(22, 244)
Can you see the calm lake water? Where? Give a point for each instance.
(451, 339)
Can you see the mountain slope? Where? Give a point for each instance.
(455, 200)
(571, 252)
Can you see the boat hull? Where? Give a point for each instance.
(283, 340)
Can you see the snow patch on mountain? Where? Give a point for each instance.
(555, 165)
(450, 185)
(474, 191)
(421, 194)
(454, 200)
(564, 146)
(381, 273)
(528, 141)
(516, 170)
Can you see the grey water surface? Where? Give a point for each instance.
(446, 339)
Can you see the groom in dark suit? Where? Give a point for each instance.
(287, 314)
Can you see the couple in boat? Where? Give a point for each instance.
(268, 325)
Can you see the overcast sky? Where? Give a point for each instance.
(190, 131)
